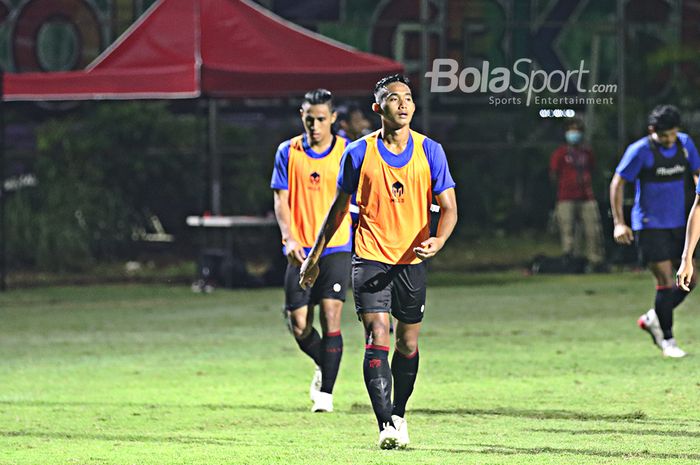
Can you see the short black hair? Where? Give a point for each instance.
(381, 85)
(318, 97)
(575, 122)
(346, 111)
(664, 117)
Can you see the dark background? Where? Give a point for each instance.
(101, 169)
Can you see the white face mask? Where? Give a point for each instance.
(573, 136)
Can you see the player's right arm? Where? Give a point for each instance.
(627, 171)
(692, 234)
(348, 180)
(334, 218)
(622, 233)
(280, 186)
(294, 251)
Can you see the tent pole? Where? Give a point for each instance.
(214, 160)
(3, 229)
(424, 52)
(621, 36)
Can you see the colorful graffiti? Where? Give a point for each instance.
(59, 35)
(662, 35)
(48, 35)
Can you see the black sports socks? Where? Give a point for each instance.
(664, 309)
(331, 353)
(404, 368)
(378, 382)
(311, 346)
(667, 299)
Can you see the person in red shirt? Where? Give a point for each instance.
(570, 167)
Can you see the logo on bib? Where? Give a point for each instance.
(314, 181)
(397, 192)
(673, 171)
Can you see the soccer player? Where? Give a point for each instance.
(303, 180)
(658, 164)
(352, 121)
(352, 125)
(395, 172)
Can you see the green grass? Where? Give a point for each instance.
(514, 370)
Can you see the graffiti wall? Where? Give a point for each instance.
(59, 35)
(662, 35)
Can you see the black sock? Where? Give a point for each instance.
(404, 368)
(378, 382)
(664, 310)
(311, 346)
(331, 353)
(679, 295)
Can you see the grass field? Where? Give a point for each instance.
(514, 370)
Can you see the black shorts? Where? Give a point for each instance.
(399, 289)
(332, 282)
(658, 245)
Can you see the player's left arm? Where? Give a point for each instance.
(693, 158)
(684, 276)
(448, 220)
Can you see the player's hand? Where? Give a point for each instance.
(308, 273)
(429, 248)
(623, 234)
(685, 275)
(295, 252)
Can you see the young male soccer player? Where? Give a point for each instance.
(352, 121)
(303, 179)
(395, 172)
(658, 164)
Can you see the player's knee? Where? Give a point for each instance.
(332, 314)
(378, 332)
(665, 281)
(406, 346)
(301, 332)
(299, 327)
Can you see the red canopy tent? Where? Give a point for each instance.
(214, 48)
(204, 48)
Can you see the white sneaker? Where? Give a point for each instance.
(671, 349)
(323, 402)
(316, 381)
(649, 322)
(388, 437)
(402, 427)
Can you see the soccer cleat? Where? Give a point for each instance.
(402, 427)
(316, 381)
(671, 349)
(323, 402)
(388, 437)
(649, 322)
